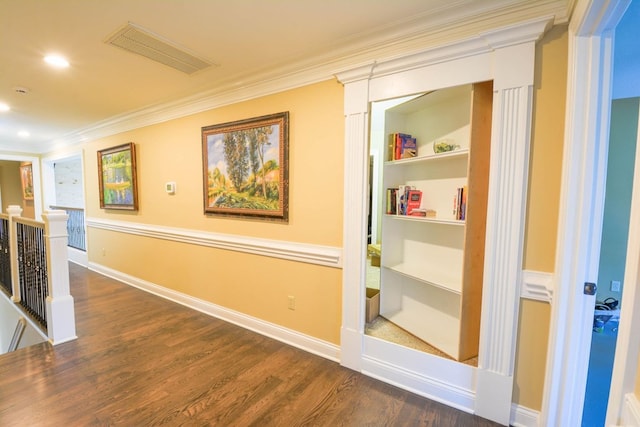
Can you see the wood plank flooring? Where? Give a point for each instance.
(141, 360)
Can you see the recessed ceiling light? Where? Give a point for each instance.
(23, 134)
(4, 107)
(56, 61)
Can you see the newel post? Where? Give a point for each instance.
(61, 321)
(14, 211)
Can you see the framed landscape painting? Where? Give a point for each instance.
(245, 167)
(117, 180)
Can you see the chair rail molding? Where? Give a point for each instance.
(506, 56)
(302, 252)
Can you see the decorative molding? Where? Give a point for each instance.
(304, 342)
(504, 249)
(353, 229)
(311, 254)
(523, 417)
(454, 32)
(631, 411)
(537, 285)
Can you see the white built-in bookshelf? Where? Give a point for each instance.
(432, 267)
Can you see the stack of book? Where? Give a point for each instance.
(404, 200)
(402, 146)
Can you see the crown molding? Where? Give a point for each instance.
(445, 34)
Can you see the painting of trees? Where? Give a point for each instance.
(246, 167)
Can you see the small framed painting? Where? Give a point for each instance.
(26, 178)
(117, 181)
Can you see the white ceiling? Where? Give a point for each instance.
(249, 40)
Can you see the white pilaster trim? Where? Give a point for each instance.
(288, 336)
(504, 248)
(537, 285)
(328, 256)
(354, 228)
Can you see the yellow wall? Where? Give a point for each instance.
(542, 215)
(255, 285)
(10, 184)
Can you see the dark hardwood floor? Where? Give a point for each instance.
(140, 360)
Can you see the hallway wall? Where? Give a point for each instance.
(255, 285)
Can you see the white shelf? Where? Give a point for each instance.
(449, 281)
(455, 222)
(429, 158)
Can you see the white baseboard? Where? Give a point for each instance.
(421, 385)
(523, 417)
(304, 342)
(631, 411)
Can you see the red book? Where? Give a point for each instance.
(414, 199)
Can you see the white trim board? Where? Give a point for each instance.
(304, 342)
(328, 256)
(523, 417)
(537, 285)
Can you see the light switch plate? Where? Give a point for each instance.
(170, 187)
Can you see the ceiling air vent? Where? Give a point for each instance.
(143, 42)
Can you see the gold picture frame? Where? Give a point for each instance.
(246, 168)
(117, 181)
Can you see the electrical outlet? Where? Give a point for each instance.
(292, 302)
(104, 251)
(615, 286)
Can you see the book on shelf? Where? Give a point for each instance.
(460, 203)
(402, 146)
(414, 200)
(402, 200)
(392, 204)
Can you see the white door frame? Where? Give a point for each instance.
(581, 207)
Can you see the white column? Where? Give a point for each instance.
(511, 130)
(355, 181)
(503, 257)
(61, 323)
(14, 211)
